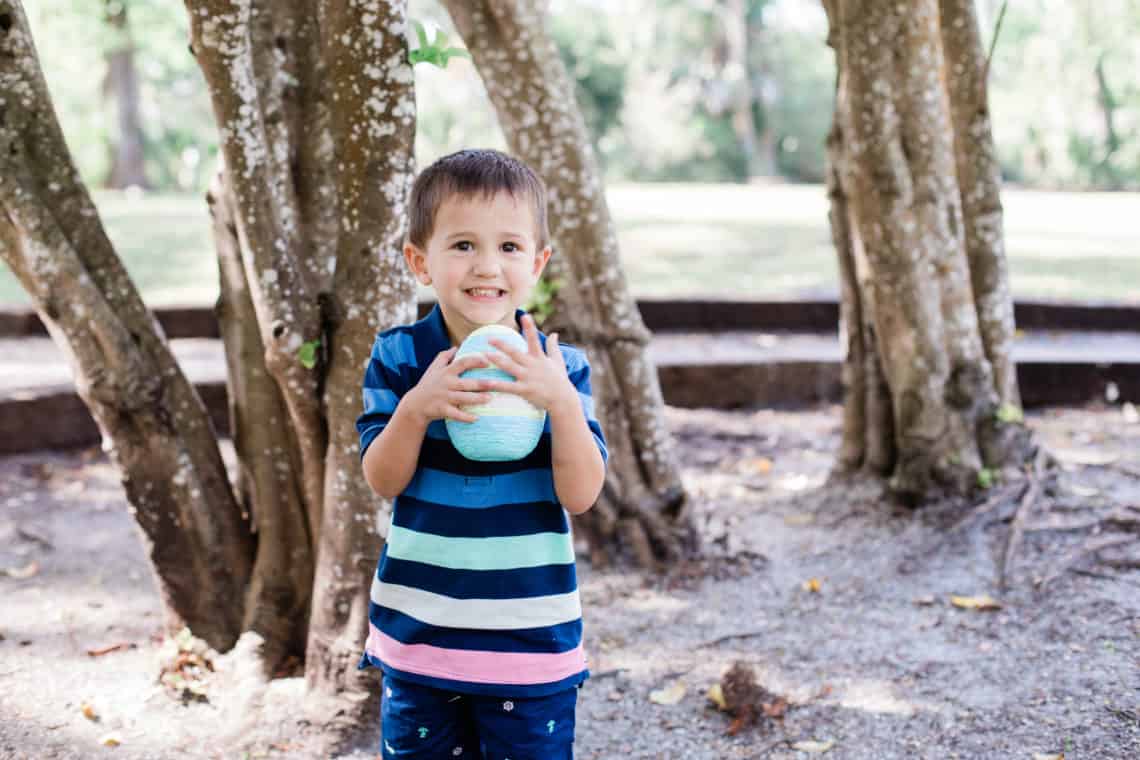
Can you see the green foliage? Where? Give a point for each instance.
(986, 477)
(654, 85)
(1010, 413)
(436, 52)
(308, 353)
(541, 303)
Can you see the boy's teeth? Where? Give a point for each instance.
(482, 292)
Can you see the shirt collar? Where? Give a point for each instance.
(434, 331)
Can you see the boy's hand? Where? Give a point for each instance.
(539, 378)
(442, 393)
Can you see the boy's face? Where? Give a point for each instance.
(482, 260)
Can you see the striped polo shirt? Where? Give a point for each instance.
(475, 590)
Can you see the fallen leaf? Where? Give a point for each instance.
(111, 740)
(812, 585)
(982, 602)
(108, 649)
(20, 573)
(716, 696)
(670, 695)
(811, 745)
(805, 518)
(1047, 756)
(762, 465)
(88, 711)
(776, 708)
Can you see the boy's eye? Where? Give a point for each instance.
(463, 245)
(511, 247)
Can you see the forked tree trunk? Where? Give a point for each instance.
(641, 507)
(317, 116)
(154, 426)
(317, 121)
(908, 290)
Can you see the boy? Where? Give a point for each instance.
(475, 618)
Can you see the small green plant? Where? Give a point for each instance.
(435, 52)
(541, 304)
(1009, 413)
(308, 353)
(986, 477)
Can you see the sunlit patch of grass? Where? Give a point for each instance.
(693, 240)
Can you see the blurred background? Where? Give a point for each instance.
(708, 118)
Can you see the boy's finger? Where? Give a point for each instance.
(471, 385)
(463, 399)
(512, 352)
(472, 361)
(457, 414)
(552, 347)
(443, 357)
(506, 363)
(531, 333)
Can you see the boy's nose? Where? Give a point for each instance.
(486, 263)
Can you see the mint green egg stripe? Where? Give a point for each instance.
(495, 411)
(496, 553)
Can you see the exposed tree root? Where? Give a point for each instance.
(1094, 546)
(1017, 527)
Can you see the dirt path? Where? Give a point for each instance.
(877, 663)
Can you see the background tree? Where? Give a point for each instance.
(317, 120)
(121, 88)
(641, 503)
(930, 392)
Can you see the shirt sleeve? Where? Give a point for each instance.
(381, 390)
(578, 369)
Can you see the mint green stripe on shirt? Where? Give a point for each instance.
(496, 553)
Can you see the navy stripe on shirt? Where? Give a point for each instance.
(520, 519)
(516, 583)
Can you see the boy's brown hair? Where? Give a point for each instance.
(467, 173)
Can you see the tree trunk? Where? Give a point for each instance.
(122, 88)
(979, 177)
(897, 219)
(309, 254)
(641, 507)
(309, 217)
(154, 426)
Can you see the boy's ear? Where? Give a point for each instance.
(417, 262)
(540, 260)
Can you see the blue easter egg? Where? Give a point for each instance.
(509, 426)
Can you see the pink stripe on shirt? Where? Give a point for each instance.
(472, 665)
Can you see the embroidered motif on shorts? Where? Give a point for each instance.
(457, 751)
(549, 726)
(423, 732)
(508, 706)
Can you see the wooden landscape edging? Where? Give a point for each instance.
(700, 315)
(57, 419)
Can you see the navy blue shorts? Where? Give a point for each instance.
(431, 724)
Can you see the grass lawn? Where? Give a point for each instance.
(685, 240)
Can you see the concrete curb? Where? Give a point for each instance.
(57, 418)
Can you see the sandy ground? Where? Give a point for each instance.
(876, 664)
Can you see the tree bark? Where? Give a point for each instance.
(979, 177)
(154, 426)
(128, 167)
(317, 115)
(309, 217)
(898, 224)
(641, 507)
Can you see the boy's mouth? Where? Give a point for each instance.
(485, 294)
